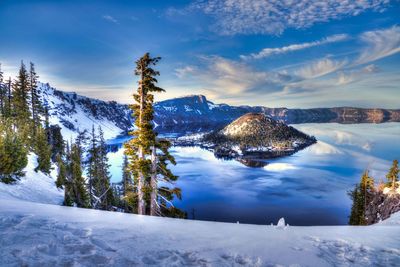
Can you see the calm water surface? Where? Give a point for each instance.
(307, 188)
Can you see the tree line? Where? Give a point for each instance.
(148, 184)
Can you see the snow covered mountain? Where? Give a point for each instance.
(74, 112)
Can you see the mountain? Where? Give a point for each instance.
(74, 112)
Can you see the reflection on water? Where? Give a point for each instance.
(307, 188)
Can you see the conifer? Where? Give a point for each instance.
(393, 175)
(43, 151)
(21, 97)
(36, 106)
(13, 153)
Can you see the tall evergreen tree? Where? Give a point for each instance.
(361, 195)
(62, 172)
(80, 194)
(21, 97)
(36, 106)
(42, 150)
(393, 175)
(2, 94)
(148, 156)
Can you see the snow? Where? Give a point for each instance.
(47, 235)
(34, 186)
(78, 117)
(44, 234)
(389, 190)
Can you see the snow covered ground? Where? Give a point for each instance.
(35, 231)
(35, 234)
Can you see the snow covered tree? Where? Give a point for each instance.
(393, 175)
(13, 153)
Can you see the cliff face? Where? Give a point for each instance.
(381, 207)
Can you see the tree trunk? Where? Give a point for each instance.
(141, 203)
(153, 196)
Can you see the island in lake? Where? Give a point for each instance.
(250, 137)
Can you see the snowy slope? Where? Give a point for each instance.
(34, 186)
(74, 112)
(48, 235)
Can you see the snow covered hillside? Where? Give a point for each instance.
(35, 234)
(73, 112)
(34, 186)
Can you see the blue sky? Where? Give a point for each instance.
(272, 53)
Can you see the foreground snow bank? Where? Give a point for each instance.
(34, 186)
(35, 234)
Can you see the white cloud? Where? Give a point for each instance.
(320, 68)
(380, 44)
(322, 148)
(183, 72)
(266, 52)
(110, 19)
(346, 77)
(273, 17)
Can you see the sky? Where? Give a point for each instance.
(289, 53)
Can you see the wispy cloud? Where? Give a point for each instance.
(346, 77)
(380, 44)
(274, 17)
(320, 68)
(110, 19)
(266, 52)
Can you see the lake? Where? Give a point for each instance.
(307, 188)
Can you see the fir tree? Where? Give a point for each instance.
(149, 156)
(361, 195)
(80, 194)
(2, 94)
(62, 172)
(13, 153)
(20, 98)
(43, 151)
(36, 106)
(393, 175)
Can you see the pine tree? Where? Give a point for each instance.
(36, 106)
(20, 98)
(80, 194)
(393, 175)
(13, 153)
(62, 172)
(149, 156)
(361, 196)
(43, 151)
(101, 193)
(2, 94)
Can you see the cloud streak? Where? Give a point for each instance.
(266, 52)
(274, 17)
(380, 44)
(110, 19)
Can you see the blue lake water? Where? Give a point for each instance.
(307, 188)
